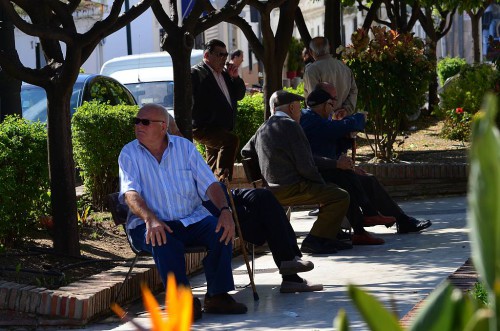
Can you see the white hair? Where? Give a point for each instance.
(159, 107)
(319, 46)
(272, 101)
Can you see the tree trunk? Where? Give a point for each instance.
(62, 170)
(10, 88)
(333, 29)
(433, 98)
(476, 38)
(272, 82)
(179, 46)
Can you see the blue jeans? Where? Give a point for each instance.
(170, 257)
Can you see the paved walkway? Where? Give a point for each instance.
(400, 273)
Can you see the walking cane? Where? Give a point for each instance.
(243, 248)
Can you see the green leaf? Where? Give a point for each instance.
(341, 322)
(484, 190)
(480, 321)
(438, 312)
(376, 316)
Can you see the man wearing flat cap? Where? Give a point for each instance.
(287, 165)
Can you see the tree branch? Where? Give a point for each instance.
(247, 30)
(302, 27)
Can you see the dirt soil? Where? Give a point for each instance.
(103, 245)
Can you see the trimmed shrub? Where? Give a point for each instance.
(463, 97)
(392, 74)
(99, 133)
(449, 67)
(24, 177)
(250, 117)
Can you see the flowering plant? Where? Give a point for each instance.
(392, 74)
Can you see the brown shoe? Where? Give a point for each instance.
(223, 304)
(305, 286)
(197, 314)
(366, 239)
(379, 220)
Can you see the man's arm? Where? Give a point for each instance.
(155, 229)
(218, 198)
(248, 151)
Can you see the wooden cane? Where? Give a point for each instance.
(243, 248)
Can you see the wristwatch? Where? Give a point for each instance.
(224, 208)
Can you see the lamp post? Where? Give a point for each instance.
(128, 32)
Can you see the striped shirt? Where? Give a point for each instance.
(174, 188)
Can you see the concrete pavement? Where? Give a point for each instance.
(400, 274)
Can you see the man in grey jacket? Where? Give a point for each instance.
(287, 165)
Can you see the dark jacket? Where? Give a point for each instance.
(210, 106)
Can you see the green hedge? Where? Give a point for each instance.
(463, 97)
(449, 67)
(99, 133)
(250, 117)
(24, 177)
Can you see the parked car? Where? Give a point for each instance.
(150, 76)
(87, 87)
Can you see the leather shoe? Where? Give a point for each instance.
(344, 235)
(317, 245)
(223, 304)
(197, 314)
(305, 286)
(314, 212)
(412, 225)
(388, 221)
(340, 244)
(295, 266)
(366, 239)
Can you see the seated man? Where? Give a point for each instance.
(262, 219)
(287, 165)
(377, 195)
(163, 180)
(318, 128)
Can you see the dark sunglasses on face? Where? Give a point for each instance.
(221, 54)
(145, 121)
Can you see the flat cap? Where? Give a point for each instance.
(285, 98)
(317, 97)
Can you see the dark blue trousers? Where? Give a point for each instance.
(170, 257)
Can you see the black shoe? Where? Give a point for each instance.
(223, 304)
(340, 244)
(197, 314)
(314, 212)
(317, 245)
(412, 225)
(344, 235)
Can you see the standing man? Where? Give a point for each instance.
(215, 95)
(326, 68)
(163, 180)
(287, 165)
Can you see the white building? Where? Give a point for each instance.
(146, 34)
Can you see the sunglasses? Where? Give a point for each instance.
(144, 121)
(221, 54)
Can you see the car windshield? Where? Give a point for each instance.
(34, 101)
(153, 92)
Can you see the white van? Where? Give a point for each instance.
(149, 76)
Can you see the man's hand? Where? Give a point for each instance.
(232, 70)
(344, 162)
(155, 232)
(227, 224)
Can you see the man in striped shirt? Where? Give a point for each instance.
(163, 180)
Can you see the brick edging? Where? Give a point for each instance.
(463, 278)
(83, 300)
